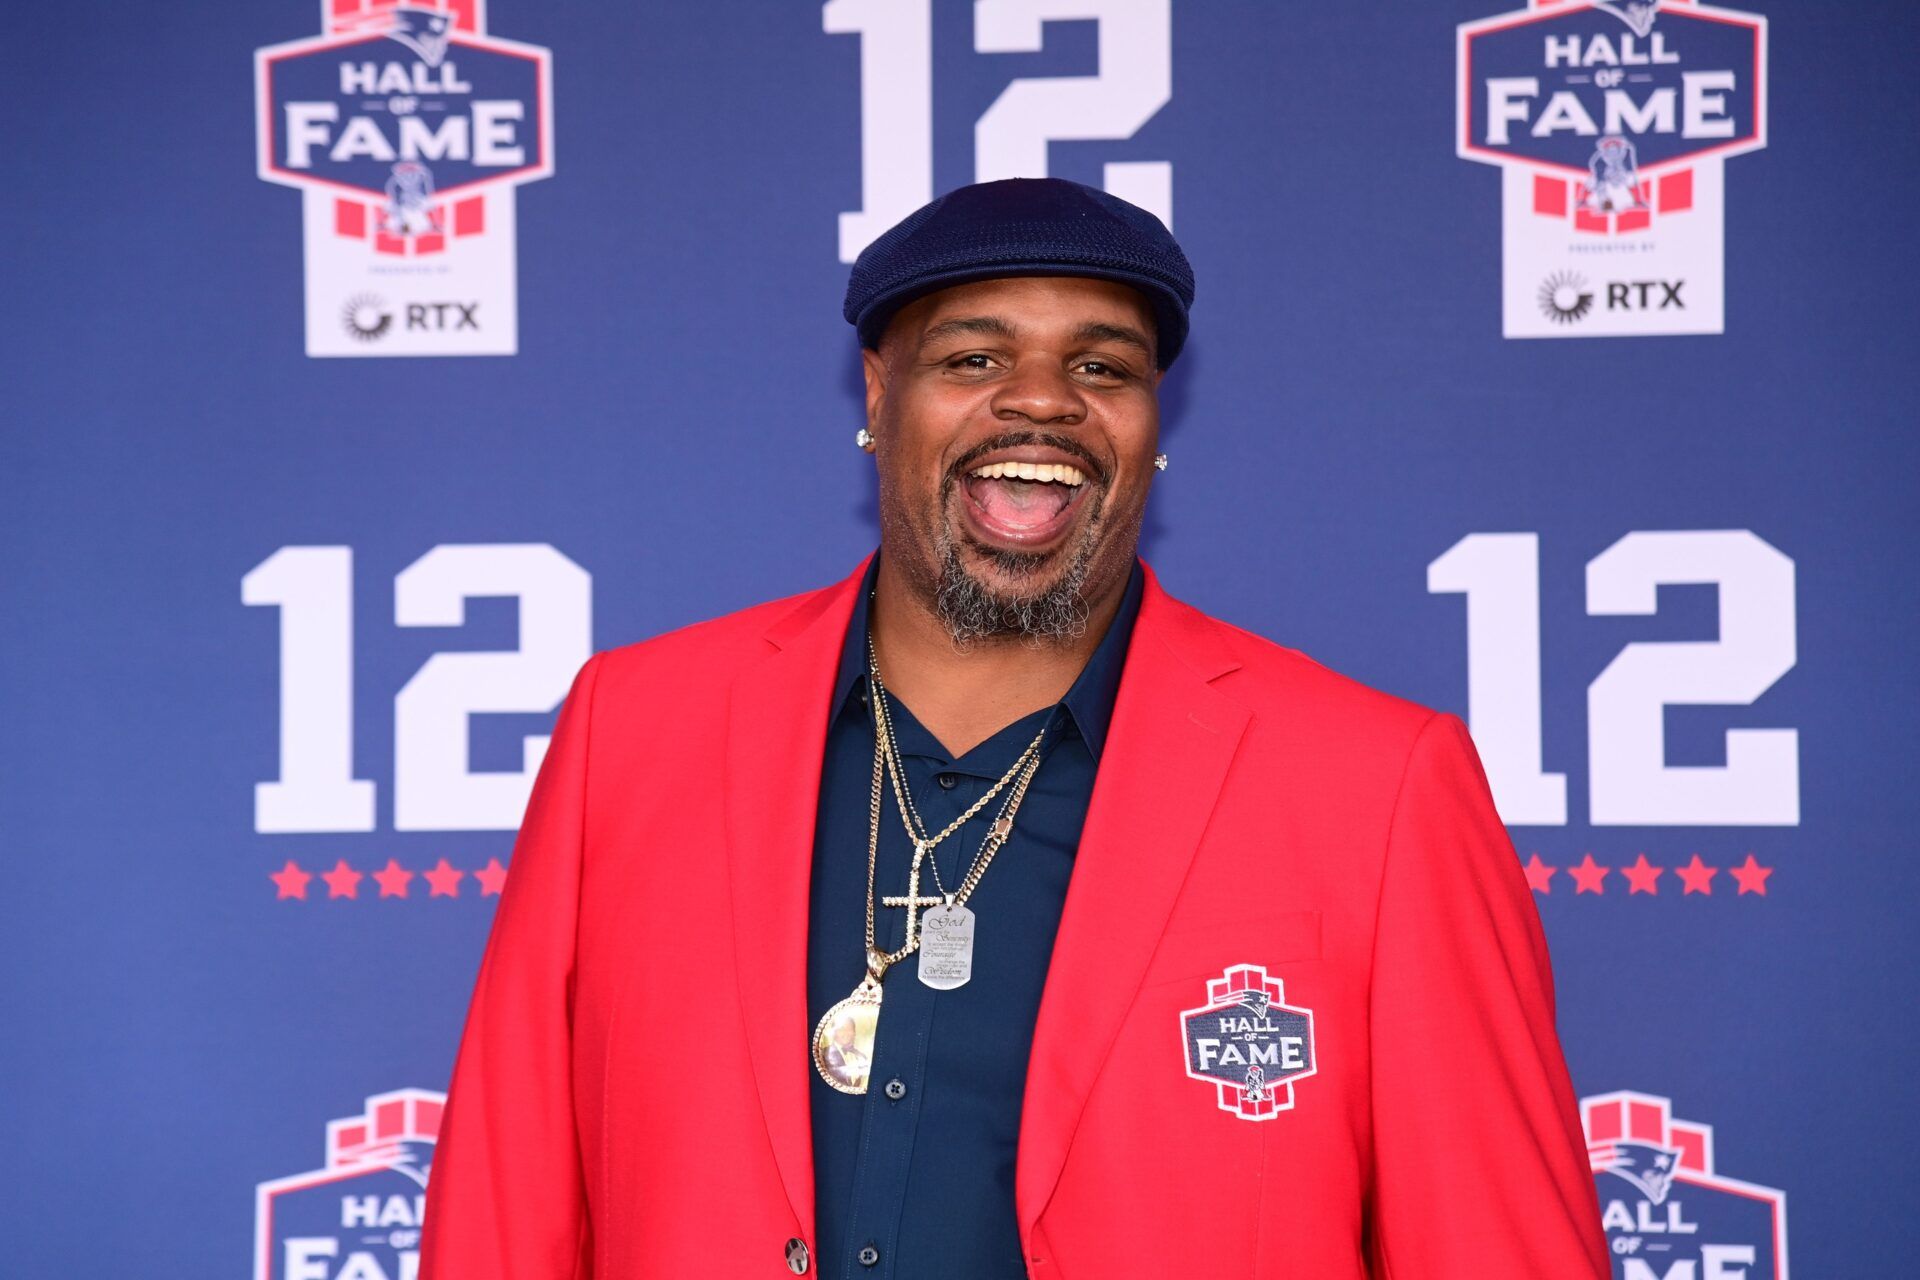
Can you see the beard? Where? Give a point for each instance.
(1052, 611)
(1033, 597)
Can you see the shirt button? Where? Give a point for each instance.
(948, 781)
(896, 1089)
(797, 1256)
(869, 1255)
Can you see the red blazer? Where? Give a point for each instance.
(631, 1094)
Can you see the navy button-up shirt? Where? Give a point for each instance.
(914, 1179)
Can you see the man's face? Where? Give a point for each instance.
(1016, 423)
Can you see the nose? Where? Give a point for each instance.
(1038, 393)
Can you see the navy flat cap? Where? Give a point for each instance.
(1022, 227)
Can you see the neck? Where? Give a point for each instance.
(965, 696)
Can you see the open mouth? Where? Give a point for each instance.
(1023, 504)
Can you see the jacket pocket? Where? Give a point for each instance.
(1191, 950)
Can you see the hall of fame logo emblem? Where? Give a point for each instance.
(359, 1217)
(1248, 1043)
(1611, 121)
(1667, 1214)
(407, 128)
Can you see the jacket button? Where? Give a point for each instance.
(797, 1256)
(896, 1089)
(869, 1255)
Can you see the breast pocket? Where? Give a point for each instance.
(1200, 949)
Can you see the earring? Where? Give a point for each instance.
(1159, 462)
(864, 438)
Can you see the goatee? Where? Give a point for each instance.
(1054, 612)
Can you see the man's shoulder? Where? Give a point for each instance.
(714, 647)
(1277, 681)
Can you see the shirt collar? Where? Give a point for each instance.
(1089, 702)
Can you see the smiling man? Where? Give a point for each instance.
(991, 913)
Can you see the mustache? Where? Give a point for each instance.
(1018, 439)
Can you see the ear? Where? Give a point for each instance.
(875, 371)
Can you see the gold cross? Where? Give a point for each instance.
(912, 897)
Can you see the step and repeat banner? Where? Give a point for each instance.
(372, 364)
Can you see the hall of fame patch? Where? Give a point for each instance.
(1611, 122)
(359, 1217)
(408, 129)
(1248, 1043)
(1668, 1212)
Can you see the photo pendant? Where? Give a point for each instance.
(946, 947)
(843, 1042)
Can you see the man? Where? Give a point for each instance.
(1006, 915)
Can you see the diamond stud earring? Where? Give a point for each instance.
(1159, 462)
(864, 438)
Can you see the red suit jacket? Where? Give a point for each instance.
(630, 1097)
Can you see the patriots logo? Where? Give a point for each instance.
(1647, 1165)
(1637, 14)
(423, 32)
(1256, 1002)
(410, 1157)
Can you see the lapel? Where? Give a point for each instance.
(777, 709)
(1166, 756)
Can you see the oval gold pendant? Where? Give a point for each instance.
(843, 1042)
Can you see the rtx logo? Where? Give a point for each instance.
(1645, 295)
(442, 317)
(366, 317)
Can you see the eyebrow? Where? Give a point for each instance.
(995, 327)
(986, 326)
(1098, 331)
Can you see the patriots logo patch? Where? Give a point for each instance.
(1647, 1165)
(1248, 1043)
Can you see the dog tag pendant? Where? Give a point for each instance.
(946, 947)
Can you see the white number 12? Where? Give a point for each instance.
(1629, 781)
(1010, 139)
(435, 786)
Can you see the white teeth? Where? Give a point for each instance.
(1043, 472)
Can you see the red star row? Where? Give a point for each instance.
(1643, 877)
(395, 881)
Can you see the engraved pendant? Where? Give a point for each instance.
(843, 1040)
(946, 947)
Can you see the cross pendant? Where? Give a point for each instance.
(912, 897)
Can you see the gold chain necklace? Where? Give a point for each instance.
(843, 1039)
(910, 815)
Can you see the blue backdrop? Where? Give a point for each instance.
(197, 983)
